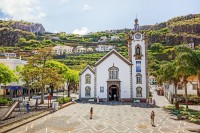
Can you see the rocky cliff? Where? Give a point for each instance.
(178, 30)
(11, 31)
(30, 27)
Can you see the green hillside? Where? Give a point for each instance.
(16, 36)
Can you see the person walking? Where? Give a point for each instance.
(91, 112)
(36, 104)
(98, 99)
(154, 102)
(27, 107)
(19, 105)
(152, 118)
(147, 102)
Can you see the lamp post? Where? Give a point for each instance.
(63, 92)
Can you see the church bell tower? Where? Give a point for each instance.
(137, 55)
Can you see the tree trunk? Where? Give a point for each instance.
(68, 89)
(76, 87)
(175, 85)
(0, 86)
(42, 95)
(2, 90)
(198, 86)
(29, 93)
(52, 89)
(176, 102)
(186, 100)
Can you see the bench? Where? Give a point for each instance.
(90, 100)
(136, 101)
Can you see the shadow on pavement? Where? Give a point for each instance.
(116, 103)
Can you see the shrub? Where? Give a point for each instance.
(4, 100)
(192, 99)
(62, 100)
(150, 94)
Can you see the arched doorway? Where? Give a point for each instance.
(113, 93)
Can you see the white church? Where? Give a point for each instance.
(116, 78)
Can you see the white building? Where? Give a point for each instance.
(114, 38)
(13, 63)
(189, 45)
(80, 49)
(116, 78)
(90, 50)
(152, 80)
(103, 47)
(192, 86)
(35, 52)
(9, 55)
(60, 50)
(103, 39)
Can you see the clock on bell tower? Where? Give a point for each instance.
(137, 36)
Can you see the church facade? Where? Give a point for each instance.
(116, 78)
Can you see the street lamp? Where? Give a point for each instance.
(63, 92)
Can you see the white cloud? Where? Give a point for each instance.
(81, 31)
(86, 7)
(28, 10)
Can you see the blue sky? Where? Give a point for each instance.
(83, 16)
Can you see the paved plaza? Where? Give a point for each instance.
(112, 117)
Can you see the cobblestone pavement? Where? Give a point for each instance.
(112, 117)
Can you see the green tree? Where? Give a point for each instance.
(43, 75)
(28, 75)
(72, 77)
(184, 67)
(62, 70)
(47, 43)
(7, 75)
(167, 72)
(190, 58)
(156, 47)
(153, 65)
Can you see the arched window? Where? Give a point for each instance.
(87, 91)
(138, 52)
(87, 79)
(138, 92)
(113, 72)
(138, 78)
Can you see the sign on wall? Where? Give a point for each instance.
(101, 89)
(138, 66)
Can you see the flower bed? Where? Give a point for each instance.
(190, 114)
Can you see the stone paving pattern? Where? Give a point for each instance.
(112, 117)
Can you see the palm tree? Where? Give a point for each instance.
(167, 72)
(191, 58)
(184, 71)
(186, 66)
